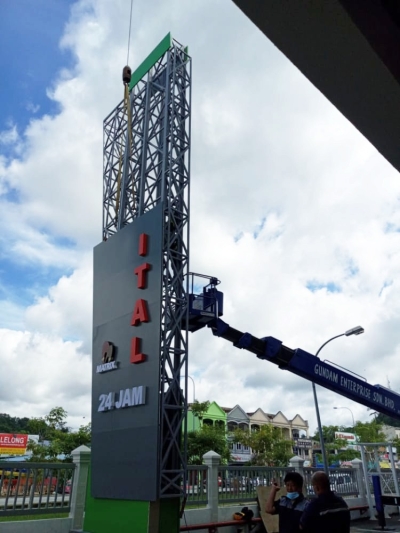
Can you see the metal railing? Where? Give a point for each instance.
(343, 481)
(196, 488)
(388, 485)
(35, 488)
(239, 483)
(387, 482)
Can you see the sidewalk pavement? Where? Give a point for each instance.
(365, 526)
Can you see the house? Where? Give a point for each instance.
(236, 417)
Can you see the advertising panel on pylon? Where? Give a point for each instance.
(350, 439)
(126, 360)
(13, 444)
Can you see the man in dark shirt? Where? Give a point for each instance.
(327, 513)
(289, 507)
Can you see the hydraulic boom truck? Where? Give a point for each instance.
(206, 309)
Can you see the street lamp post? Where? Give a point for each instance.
(194, 393)
(352, 416)
(374, 414)
(194, 388)
(353, 331)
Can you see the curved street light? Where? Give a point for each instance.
(194, 392)
(348, 408)
(353, 331)
(354, 426)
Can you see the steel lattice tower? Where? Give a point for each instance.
(147, 163)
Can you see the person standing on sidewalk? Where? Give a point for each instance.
(327, 513)
(290, 507)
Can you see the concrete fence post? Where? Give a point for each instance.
(357, 466)
(212, 460)
(297, 463)
(81, 458)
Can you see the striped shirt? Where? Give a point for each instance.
(290, 512)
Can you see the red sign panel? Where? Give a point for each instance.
(13, 444)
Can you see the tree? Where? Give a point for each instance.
(328, 433)
(9, 424)
(205, 439)
(57, 419)
(38, 426)
(347, 455)
(333, 445)
(55, 439)
(387, 420)
(65, 442)
(199, 409)
(268, 446)
(369, 432)
(338, 450)
(396, 443)
(365, 432)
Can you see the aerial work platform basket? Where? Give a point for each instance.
(206, 306)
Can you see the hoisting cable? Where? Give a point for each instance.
(129, 34)
(129, 113)
(126, 78)
(126, 73)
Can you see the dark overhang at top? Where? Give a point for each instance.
(350, 50)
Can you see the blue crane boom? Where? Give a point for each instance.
(205, 309)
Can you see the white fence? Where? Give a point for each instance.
(226, 489)
(218, 491)
(37, 489)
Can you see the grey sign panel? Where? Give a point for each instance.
(303, 443)
(125, 396)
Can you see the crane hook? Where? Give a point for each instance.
(126, 74)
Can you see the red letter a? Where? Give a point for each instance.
(140, 313)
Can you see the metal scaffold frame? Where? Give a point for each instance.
(147, 163)
(370, 453)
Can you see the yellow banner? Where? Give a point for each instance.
(12, 451)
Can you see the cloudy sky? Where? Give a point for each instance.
(292, 208)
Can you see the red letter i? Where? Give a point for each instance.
(143, 244)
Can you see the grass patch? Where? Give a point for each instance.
(22, 518)
(195, 505)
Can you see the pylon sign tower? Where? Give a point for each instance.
(140, 350)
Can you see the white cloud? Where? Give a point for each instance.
(270, 156)
(12, 315)
(66, 310)
(40, 372)
(33, 108)
(9, 136)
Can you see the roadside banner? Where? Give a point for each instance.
(13, 444)
(350, 438)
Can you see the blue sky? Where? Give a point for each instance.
(29, 34)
